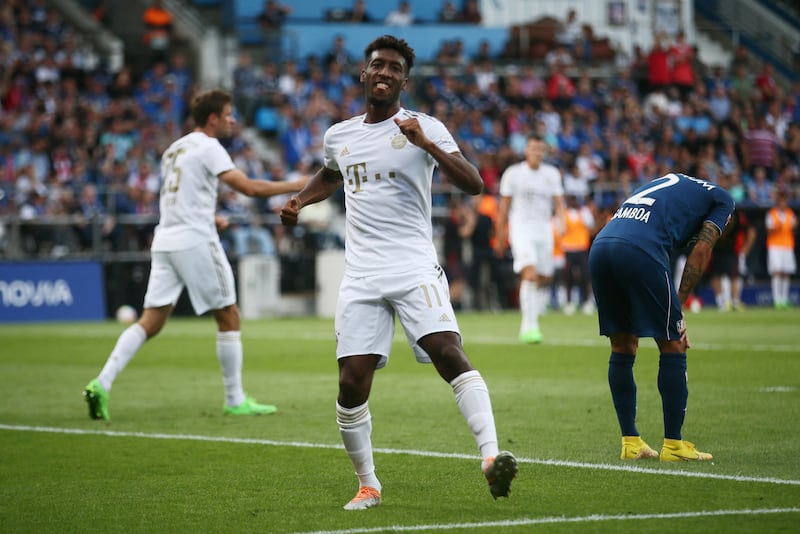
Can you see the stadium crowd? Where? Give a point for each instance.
(80, 141)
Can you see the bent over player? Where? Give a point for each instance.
(385, 160)
(636, 297)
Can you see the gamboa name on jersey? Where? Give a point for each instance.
(632, 212)
(636, 207)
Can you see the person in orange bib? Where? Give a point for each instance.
(781, 262)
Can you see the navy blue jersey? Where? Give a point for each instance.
(665, 214)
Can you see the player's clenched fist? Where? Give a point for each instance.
(411, 129)
(289, 212)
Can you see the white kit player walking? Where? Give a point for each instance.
(531, 197)
(385, 161)
(186, 252)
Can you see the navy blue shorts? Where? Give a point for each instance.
(635, 294)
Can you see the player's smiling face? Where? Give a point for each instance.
(384, 77)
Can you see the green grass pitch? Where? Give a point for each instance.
(169, 461)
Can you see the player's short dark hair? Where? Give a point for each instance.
(535, 136)
(207, 103)
(390, 41)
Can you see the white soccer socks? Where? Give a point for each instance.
(472, 397)
(128, 344)
(229, 354)
(355, 427)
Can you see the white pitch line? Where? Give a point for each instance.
(478, 339)
(409, 452)
(557, 519)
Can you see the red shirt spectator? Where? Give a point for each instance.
(766, 84)
(560, 89)
(760, 145)
(681, 55)
(658, 71)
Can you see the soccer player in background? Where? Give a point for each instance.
(781, 222)
(186, 252)
(385, 159)
(531, 196)
(636, 296)
(729, 261)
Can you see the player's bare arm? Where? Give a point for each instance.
(698, 260)
(319, 187)
(459, 171)
(259, 188)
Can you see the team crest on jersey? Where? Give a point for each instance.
(399, 141)
(344, 152)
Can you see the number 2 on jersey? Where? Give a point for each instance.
(641, 197)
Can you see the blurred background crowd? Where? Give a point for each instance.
(81, 139)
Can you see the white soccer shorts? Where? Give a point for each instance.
(536, 250)
(365, 312)
(781, 260)
(205, 272)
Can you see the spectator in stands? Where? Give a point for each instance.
(760, 148)
(288, 78)
(402, 16)
(680, 58)
(245, 87)
(740, 58)
(359, 12)
(271, 21)
(743, 90)
(178, 68)
(471, 13)
(95, 226)
(760, 190)
(777, 118)
(560, 88)
(569, 31)
(449, 13)
(338, 54)
(295, 141)
(336, 82)
(268, 85)
(559, 56)
(158, 22)
(719, 103)
(766, 84)
(532, 85)
(484, 52)
(658, 71)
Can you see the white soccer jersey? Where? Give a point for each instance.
(189, 183)
(387, 184)
(532, 192)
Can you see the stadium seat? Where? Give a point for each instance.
(267, 119)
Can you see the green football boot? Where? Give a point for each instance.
(97, 399)
(250, 407)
